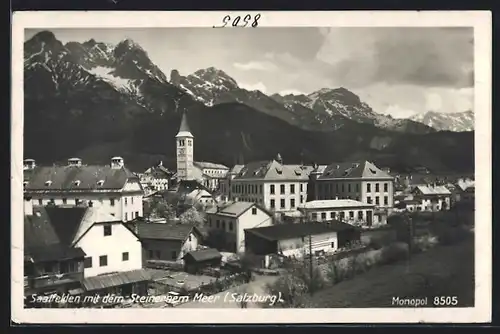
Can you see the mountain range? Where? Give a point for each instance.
(97, 100)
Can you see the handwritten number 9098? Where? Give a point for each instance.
(238, 21)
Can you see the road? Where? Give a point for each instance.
(224, 300)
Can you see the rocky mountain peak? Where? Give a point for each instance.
(175, 77)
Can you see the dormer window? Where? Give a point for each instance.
(100, 183)
(279, 170)
(48, 183)
(25, 183)
(76, 183)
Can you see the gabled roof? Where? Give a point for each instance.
(47, 238)
(162, 231)
(159, 170)
(236, 169)
(203, 255)
(289, 231)
(432, 190)
(234, 209)
(273, 170)
(349, 170)
(209, 165)
(73, 178)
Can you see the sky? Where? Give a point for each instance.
(399, 71)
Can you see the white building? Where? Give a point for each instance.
(156, 178)
(345, 210)
(113, 189)
(233, 219)
(272, 184)
(432, 198)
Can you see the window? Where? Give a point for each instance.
(377, 187)
(282, 203)
(136, 214)
(272, 204)
(349, 188)
(386, 187)
(112, 201)
(377, 200)
(189, 143)
(333, 244)
(368, 187)
(87, 262)
(282, 188)
(342, 215)
(103, 261)
(260, 188)
(223, 225)
(292, 203)
(332, 215)
(323, 215)
(174, 255)
(386, 200)
(351, 214)
(190, 238)
(292, 189)
(158, 254)
(126, 200)
(230, 226)
(125, 256)
(369, 200)
(217, 223)
(254, 211)
(301, 187)
(65, 200)
(301, 199)
(107, 230)
(360, 214)
(343, 189)
(357, 187)
(150, 254)
(126, 216)
(271, 190)
(40, 201)
(132, 200)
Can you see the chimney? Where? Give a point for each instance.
(29, 164)
(117, 162)
(28, 206)
(75, 162)
(279, 159)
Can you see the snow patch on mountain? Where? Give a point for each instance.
(457, 122)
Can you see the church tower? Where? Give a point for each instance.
(185, 152)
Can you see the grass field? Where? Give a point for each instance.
(442, 271)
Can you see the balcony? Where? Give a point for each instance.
(52, 279)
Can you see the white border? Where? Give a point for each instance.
(480, 20)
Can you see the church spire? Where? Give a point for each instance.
(184, 130)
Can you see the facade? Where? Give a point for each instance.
(344, 210)
(113, 189)
(296, 240)
(275, 186)
(166, 241)
(156, 178)
(432, 198)
(360, 181)
(212, 173)
(51, 263)
(232, 219)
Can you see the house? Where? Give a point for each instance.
(361, 181)
(189, 193)
(432, 197)
(196, 261)
(228, 222)
(410, 205)
(345, 210)
(156, 178)
(51, 263)
(207, 173)
(113, 189)
(276, 186)
(295, 240)
(224, 183)
(166, 241)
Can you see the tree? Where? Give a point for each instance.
(192, 216)
(161, 209)
(293, 291)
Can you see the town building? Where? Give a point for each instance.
(432, 197)
(296, 240)
(224, 184)
(360, 181)
(168, 241)
(227, 223)
(113, 189)
(195, 262)
(276, 186)
(207, 173)
(344, 210)
(156, 178)
(51, 263)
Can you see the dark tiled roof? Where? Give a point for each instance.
(361, 169)
(45, 241)
(89, 177)
(203, 255)
(288, 231)
(273, 170)
(66, 221)
(163, 231)
(115, 279)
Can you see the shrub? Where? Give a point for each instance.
(449, 236)
(394, 252)
(423, 243)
